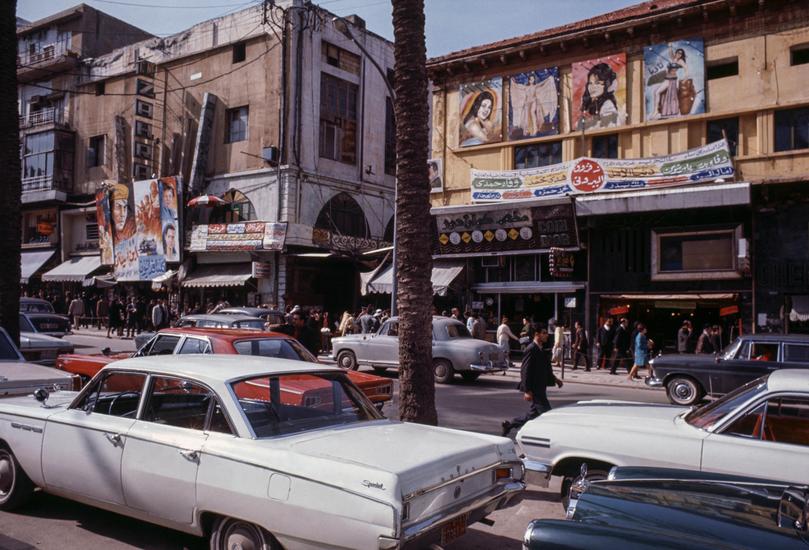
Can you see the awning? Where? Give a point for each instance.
(75, 270)
(160, 280)
(31, 262)
(101, 281)
(675, 198)
(800, 309)
(442, 276)
(213, 275)
(551, 287)
(673, 297)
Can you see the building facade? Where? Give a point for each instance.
(661, 82)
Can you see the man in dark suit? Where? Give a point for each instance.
(604, 342)
(536, 375)
(622, 343)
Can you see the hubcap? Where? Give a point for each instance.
(6, 474)
(242, 537)
(440, 370)
(346, 362)
(683, 391)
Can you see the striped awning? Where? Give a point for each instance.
(74, 270)
(214, 275)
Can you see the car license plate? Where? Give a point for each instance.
(48, 326)
(453, 529)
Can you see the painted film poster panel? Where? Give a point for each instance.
(589, 175)
(151, 261)
(674, 79)
(104, 221)
(169, 199)
(599, 93)
(533, 104)
(480, 112)
(124, 232)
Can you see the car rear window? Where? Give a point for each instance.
(796, 353)
(36, 307)
(274, 347)
(253, 324)
(49, 324)
(457, 331)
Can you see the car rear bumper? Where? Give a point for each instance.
(537, 473)
(653, 382)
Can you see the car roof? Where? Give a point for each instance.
(249, 310)
(438, 318)
(788, 380)
(34, 300)
(222, 318)
(771, 337)
(223, 333)
(34, 314)
(214, 369)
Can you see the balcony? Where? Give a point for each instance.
(44, 189)
(43, 117)
(47, 60)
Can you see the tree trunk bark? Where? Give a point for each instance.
(10, 234)
(414, 260)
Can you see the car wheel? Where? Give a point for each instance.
(568, 481)
(15, 486)
(684, 391)
(347, 360)
(470, 376)
(380, 370)
(234, 533)
(443, 370)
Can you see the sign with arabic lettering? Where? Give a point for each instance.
(505, 229)
(589, 175)
(246, 236)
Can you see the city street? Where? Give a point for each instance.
(52, 523)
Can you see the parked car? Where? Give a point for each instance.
(454, 350)
(43, 349)
(215, 320)
(648, 508)
(689, 377)
(272, 316)
(50, 324)
(180, 341)
(210, 444)
(760, 429)
(19, 377)
(36, 305)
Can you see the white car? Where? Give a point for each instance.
(254, 453)
(19, 377)
(759, 430)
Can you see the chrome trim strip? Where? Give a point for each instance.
(26, 428)
(535, 441)
(653, 382)
(450, 481)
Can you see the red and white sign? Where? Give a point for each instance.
(587, 175)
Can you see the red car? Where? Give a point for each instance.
(225, 341)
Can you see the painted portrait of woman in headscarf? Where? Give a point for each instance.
(480, 113)
(600, 93)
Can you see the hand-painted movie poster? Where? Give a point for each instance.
(480, 112)
(674, 79)
(144, 227)
(533, 104)
(104, 227)
(599, 93)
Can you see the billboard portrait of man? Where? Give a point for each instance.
(123, 219)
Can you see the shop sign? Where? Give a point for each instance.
(570, 302)
(618, 310)
(45, 228)
(729, 310)
(262, 270)
(675, 305)
(500, 229)
(561, 263)
(238, 237)
(345, 243)
(584, 176)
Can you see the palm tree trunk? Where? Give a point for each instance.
(10, 234)
(414, 262)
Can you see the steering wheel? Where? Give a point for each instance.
(118, 396)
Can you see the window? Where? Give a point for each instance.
(763, 351)
(390, 138)
(116, 394)
(143, 108)
(541, 154)
(792, 129)
(787, 421)
(177, 402)
(25, 326)
(238, 209)
(799, 55)
(39, 226)
(340, 58)
(48, 154)
(749, 424)
(338, 119)
(239, 52)
(342, 215)
(605, 147)
(274, 347)
(195, 345)
(161, 345)
(705, 254)
(100, 88)
(796, 353)
(95, 151)
(727, 128)
(722, 68)
(236, 122)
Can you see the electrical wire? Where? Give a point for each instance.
(163, 6)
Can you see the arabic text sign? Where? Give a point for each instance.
(248, 236)
(588, 175)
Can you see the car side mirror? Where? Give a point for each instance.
(793, 510)
(41, 395)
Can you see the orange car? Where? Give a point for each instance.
(187, 340)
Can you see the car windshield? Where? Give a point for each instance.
(274, 347)
(457, 330)
(707, 416)
(7, 350)
(732, 349)
(293, 403)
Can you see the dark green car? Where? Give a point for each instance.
(660, 509)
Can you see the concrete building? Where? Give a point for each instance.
(272, 109)
(731, 250)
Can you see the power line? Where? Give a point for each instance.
(163, 6)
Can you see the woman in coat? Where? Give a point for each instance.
(641, 351)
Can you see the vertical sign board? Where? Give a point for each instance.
(204, 136)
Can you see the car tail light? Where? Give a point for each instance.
(76, 382)
(502, 473)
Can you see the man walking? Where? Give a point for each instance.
(75, 311)
(366, 321)
(683, 335)
(478, 329)
(157, 316)
(622, 343)
(504, 336)
(536, 375)
(705, 344)
(604, 342)
(581, 347)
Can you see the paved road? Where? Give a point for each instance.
(51, 523)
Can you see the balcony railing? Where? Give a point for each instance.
(42, 183)
(51, 115)
(45, 54)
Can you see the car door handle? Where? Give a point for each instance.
(115, 439)
(188, 454)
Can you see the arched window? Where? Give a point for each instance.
(389, 230)
(343, 216)
(238, 209)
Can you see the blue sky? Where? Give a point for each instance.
(451, 24)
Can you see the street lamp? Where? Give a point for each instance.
(343, 27)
